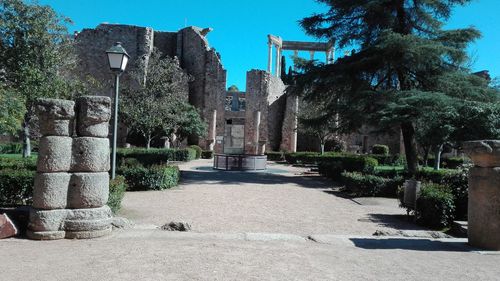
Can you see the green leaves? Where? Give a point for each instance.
(11, 111)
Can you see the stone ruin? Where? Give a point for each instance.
(72, 181)
(484, 194)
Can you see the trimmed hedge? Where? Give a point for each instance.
(156, 177)
(117, 188)
(435, 176)
(380, 149)
(16, 187)
(198, 151)
(458, 183)
(155, 156)
(302, 157)
(207, 154)
(18, 163)
(275, 155)
(332, 166)
(435, 206)
(360, 185)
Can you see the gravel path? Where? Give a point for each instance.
(251, 226)
(280, 201)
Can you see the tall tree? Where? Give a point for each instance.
(35, 52)
(403, 55)
(158, 105)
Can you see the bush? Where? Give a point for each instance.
(389, 173)
(16, 187)
(275, 155)
(155, 156)
(459, 186)
(435, 207)
(117, 188)
(333, 165)
(18, 163)
(380, 149)
(304, 157)
(358, 184)
(435, 176)
(156, 177)
(207, 154)
(198, 151)
(11, 148)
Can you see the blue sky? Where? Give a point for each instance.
(240, 27)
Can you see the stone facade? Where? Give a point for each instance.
(189, 45)
(72, 181)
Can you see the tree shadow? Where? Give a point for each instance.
(395, 221)
(411, 244)
(272, 176)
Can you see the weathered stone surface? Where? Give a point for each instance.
(88, 234)
(88, 190)
(121, 223)
(94, 113)
(103, 212)
(51, 190)
(90, 155)
(87, 225)
(484, 208)
(7, 227)
(45, 235)
(47, 220)
(56, 116)
(484, 153)
(54, 154)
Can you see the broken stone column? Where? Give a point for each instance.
(54, 161)
(72, 183)
(484, 194)
(256, 120)
(90, 162)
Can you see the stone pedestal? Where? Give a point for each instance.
(484, 194)
(72, 184)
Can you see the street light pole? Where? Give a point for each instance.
(115, 126)
(118, 59)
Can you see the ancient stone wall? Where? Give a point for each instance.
(289, 127)
(189, 45)
(72, 181)
(262, 90)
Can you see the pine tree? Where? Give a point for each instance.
(404, 61)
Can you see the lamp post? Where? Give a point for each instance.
(118, 59)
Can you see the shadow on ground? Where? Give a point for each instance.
(411, 244)
(272, 176)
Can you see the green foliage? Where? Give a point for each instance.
(198, 151)
(405, 70)
(380, 149)
(435, 206)
(12, 111)
(18, 163)
(207, 154)
(435, 176)
(156, 177)
(303, 157)
(16, 186)
(458, 184)
(332, 166)
(117, 188)
(148, 157)
(159, 107)
(275, 155)
(360, 185)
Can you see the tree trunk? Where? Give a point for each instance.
(426, 154)
(148, 142)
(26, 139)
(410, 147)
(437, 156)
(322, 147)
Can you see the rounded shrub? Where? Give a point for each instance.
(435, 206)
(198, 150)
(380, 149)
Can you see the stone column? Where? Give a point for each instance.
(311, 54)
(72, 205)
(484, 194)
(278, 61)
(270, 57)
(212, 131)
(50, 191)
(256, 136)
(293, 143)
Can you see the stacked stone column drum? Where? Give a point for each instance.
(484, 194)
(72, 182)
